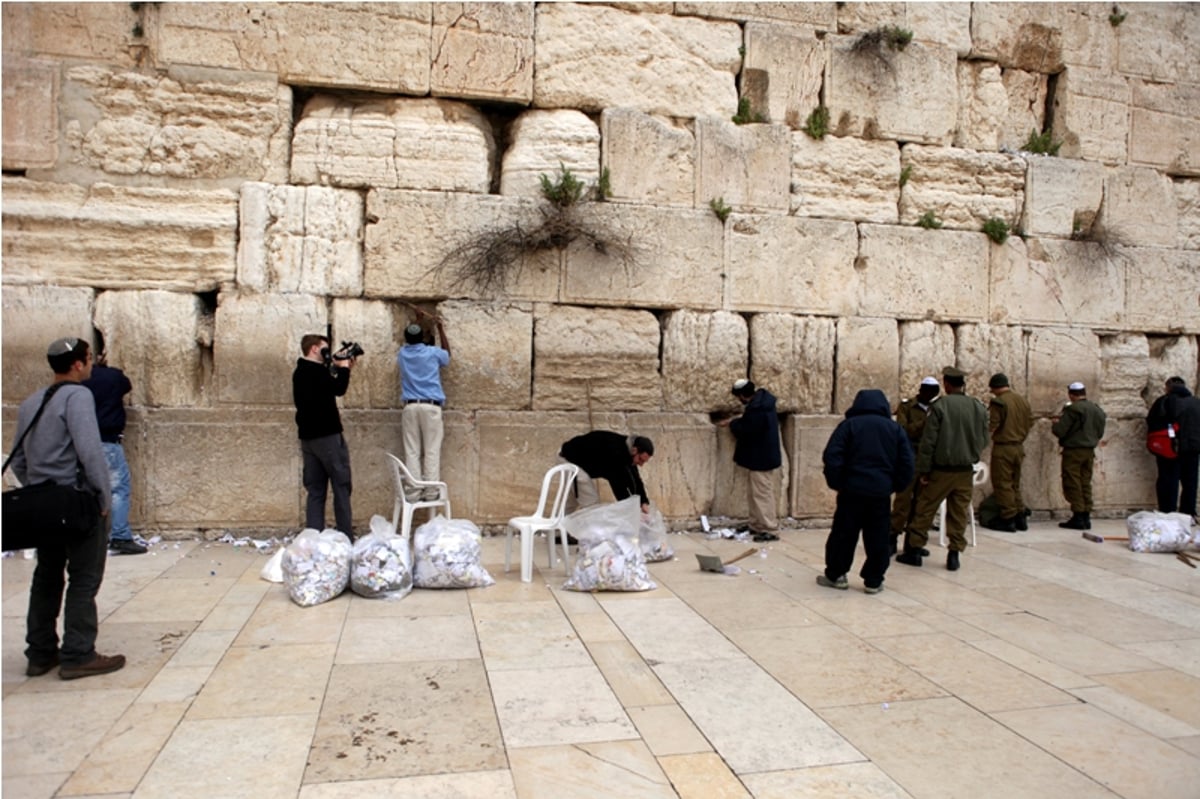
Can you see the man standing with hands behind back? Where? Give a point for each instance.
(1079, 431)
(1009, 421)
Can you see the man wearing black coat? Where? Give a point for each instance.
(758, 452)
(604, 454)
(867, 459)
(1177, 477)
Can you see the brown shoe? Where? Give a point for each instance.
(100, 664)
(38, 669)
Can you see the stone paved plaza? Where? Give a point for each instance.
(1047, 666)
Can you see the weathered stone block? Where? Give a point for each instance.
(1170, 356)
(100, 32)
(793, 357)
(804, 439)
(792, 265)
(300, 239)
(378, 326)
(650, 160)
(924, 274)
(483, 51)
(159, 339)
(1041, 483)
(395, 143)
(112, 237)
(820, 15)
(745, 165)
(33, 317)
(1159, 43)
(1125, 359)
(492, 355)
(596, 358)
(1163, 291)
(30, 112)
(1057, 282)
(189, 130)
(374, 46)
(1164, 128)
(946, 24)
(983, 350)
(1125, 472)
(998, 108)
(782, 72)
(584, 60)
(1091, 115)
(878, 93)
(868, 353)
(845, 178)
(1139, 209)
(681, 476)
(545, 143)
(1057, 357)
(672, 262)
(698, 349)
(925, 347)
(256, 344)
(962, 187)
(730, 491)
(407, 239)
(1062, 196)
(1022, 35)
(1187, 205)
(1026, 106)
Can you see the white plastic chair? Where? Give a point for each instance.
(979, 476)
(404, 507)
(546, 517)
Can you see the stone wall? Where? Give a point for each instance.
(203, 185)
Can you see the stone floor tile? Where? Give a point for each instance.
(228, 617)
(859, 780)
(1133, 712)
(417, 718)
(471, 785)
(128, 748)
(1166, 690)
(183, 599)
(275, 680)
(509, 588)
(202, 648)
(631, 678)
(35, 786)
(532, 634)
(702, 776)
(756, 605)
(1180, 654)
(212, 559)
(407, 639)
(667, 630)
(279, 620)
(667, 730)
(178, 684)
(1190, 744)
(32, 746)
(418, 602)
(595, 627)
(1072, 650)
(1033, 664)
(545, 707)
(599, 770)
(861, 615)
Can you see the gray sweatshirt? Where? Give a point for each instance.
(66, 435)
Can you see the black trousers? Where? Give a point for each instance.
(1175, 474)
(78, 568)
(327, 463)
(858, 513)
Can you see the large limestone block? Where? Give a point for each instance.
(868, 354)
(946, 24)
(997, 107)
(1091, 115)
(1187, 205)
(483, 51)
(845, 178)
(1139, 209)
(596, 358)
(593, 57)
(819, 15)
(1164, 127)
(924, 274)
(782, 72)
(731, 491)
(1057, 282)
(373, 46)
(650, 160)
(102, 32)
(300, 239)
(681, 477)
(545, 143)
(792, 265)
(983, 350)
(1158, 42)
(1171, 356)
(491, 364)
(746, 166)
(1126, 370)
(1125, 473)
(171, 130)
(877, 93)
(673, 259)
(112, 237)
(33, 317)
(1062, 196)
(1027, 92)
(30, 112)
(1041, 482)
(925, 347)
(1057, 357)
(396, 143)
(804, 439)
(160, 339)
(256, 344)
(1043, 37)
(703, 353)
(378, 327)
(1162, 286)
(407, 239)
(793, 357)
(962, 187)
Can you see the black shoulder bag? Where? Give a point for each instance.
(48, 512)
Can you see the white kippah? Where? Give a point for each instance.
(1075, 387)
(740, 383)
(930, 381)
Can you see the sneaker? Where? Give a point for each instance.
(760, 538)
(872, 589)
(38, 669)
(952, 561)
(100, 664)
(840, 583)
(126, 546)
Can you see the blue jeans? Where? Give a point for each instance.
(118, 475)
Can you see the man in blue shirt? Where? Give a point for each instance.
(421, 392)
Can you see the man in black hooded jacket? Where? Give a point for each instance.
(1177, 477)
(758, 451)
(867, 459)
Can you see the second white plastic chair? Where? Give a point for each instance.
(404, 507)
(978, 478)
(548, 517)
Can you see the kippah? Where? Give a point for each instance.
(1075, 387)
(929, 381)
(740, 383)
(61, 346)
(413, 330)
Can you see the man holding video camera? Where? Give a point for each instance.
(320, 378)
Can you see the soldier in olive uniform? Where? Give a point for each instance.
(1009, 421)
(956, 432)
(910, 415)
(1079, 431)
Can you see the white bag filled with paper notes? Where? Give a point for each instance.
(609, 557)
(316, 566)
(381, 566)
(447, 555)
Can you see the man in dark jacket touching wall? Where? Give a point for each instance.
(758, 452)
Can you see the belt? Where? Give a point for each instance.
(423, 402)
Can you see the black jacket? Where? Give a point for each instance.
(757, 434)
(605, 454)
(868, 453)
(109, 386)
(1180, 407)
(315, 392)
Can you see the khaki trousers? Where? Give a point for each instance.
(1077, 465)
(421, 429)
(760, 493)
(1006, 478)
(955, 488)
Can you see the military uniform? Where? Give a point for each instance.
(910, 415)
(1079, 431)
(1009, 420)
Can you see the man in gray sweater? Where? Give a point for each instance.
(64, 447)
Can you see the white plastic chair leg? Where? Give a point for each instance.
(526, 555)
(942, 523)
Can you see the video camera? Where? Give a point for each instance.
(350, 349)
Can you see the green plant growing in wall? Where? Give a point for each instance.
(929, 221)
(604, 185)
(890, 36)
(718, 206)
(745, 114)
(1116, 17)
(564, 191)
(996, 230)
(905, 174)
(817, 124)
(1041, 143)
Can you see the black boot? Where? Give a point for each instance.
(1021, 520)
(1087, 521)
(952, 560)
(1078, 521)
(1004, 525)
(909, 557)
